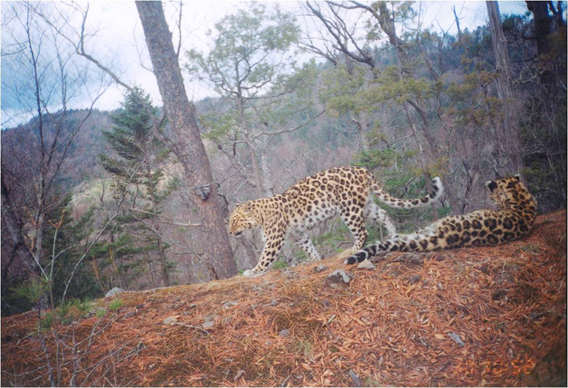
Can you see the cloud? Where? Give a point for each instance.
(116, 39)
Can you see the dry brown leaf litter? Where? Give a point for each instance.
(470, 317)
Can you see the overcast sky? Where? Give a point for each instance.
(119, 40)
(121, 19)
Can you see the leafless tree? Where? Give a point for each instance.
(182, 138)
(511, 137)
(251, 67)
(186, 141)
(344, 41)
(47, 82)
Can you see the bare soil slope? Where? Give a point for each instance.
(470, 317)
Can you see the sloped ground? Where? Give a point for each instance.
(471, 317)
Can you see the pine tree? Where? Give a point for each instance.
(136, 172)
(67, 238)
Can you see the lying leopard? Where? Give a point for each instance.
(343, 190)
(513, 220)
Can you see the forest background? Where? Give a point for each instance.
(138, 197)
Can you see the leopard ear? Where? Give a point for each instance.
(491, 185)
(248, 207)
(518, 176)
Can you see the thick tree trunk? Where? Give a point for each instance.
(511, 136)
(186, 141)
(544, 26)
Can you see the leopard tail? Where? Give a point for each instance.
(383, 196)
(365, 253)
(395, 243)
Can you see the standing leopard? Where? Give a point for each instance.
(343, 190)
(514, 218)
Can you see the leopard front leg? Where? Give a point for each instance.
(272, 246)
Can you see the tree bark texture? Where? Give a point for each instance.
(544, 27)
(186, 140)
(511, 137)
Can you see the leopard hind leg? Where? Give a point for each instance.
(374, 213)
(355, 222)
(305, 243)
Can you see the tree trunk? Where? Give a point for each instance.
(258, 181)
(161, 251)
(267, 183)
(511, 137)
(186, 140)
(544, 25)
(163, 263)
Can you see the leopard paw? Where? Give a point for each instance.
(249, 273)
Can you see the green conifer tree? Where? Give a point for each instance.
(136, 171)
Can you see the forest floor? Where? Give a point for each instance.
(491, 316)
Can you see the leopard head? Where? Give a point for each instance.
(507, 191)
(242, 218)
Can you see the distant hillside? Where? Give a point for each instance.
(82, 161)
(472, 317)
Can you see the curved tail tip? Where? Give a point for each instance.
(438, 187)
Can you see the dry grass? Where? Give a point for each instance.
(400, 324)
